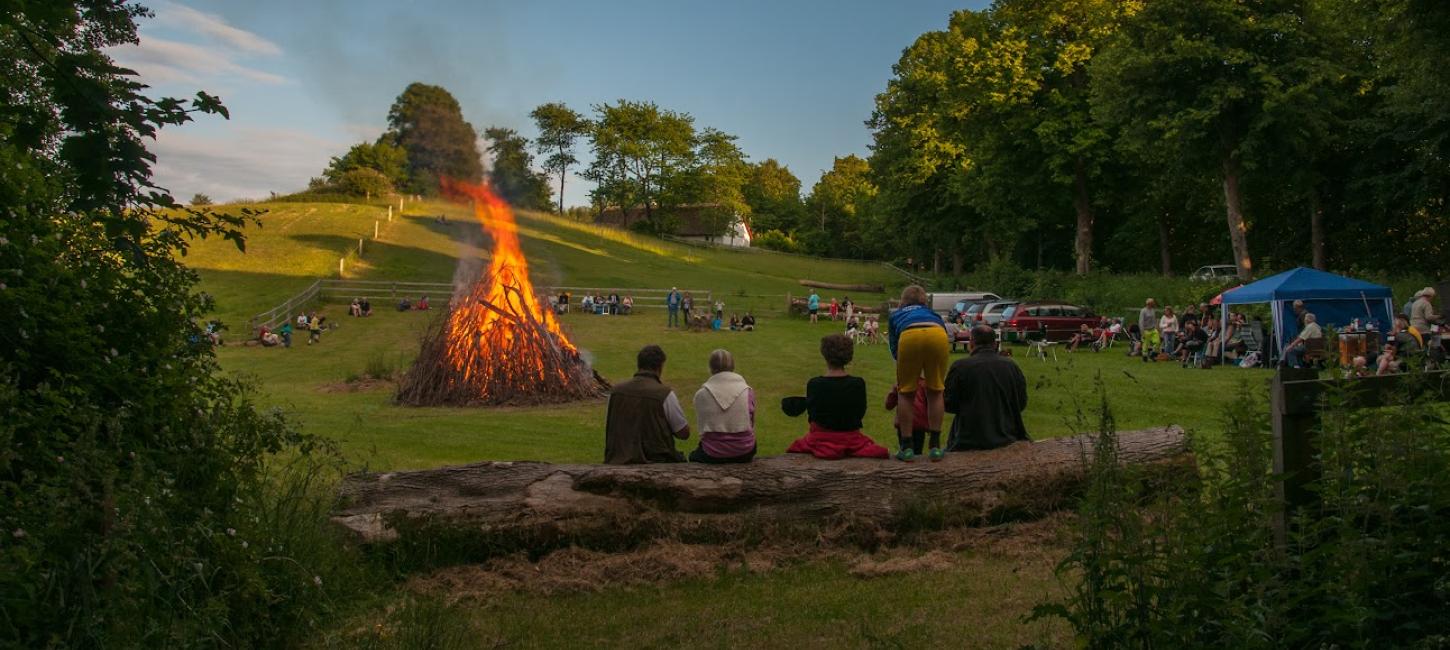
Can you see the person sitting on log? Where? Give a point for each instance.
(835, 404)
(922, 349)
(987, 393)
(725, 408)
(644, 416)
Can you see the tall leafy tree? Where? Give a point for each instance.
(427, 122)
(639, 150)
(511, 171)
(774, 196)
(1196, 79)
(714, 181)
(560, 127)
(838, 209)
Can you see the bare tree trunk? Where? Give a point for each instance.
(956, 262)
(1316, 229)
(604, 503)
(936, 262)
(1165, 253)
(1083, 246)
(1238, 231)
(562, 174)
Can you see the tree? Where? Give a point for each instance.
(427, 122)
(559, 128)
(511, 171)
(199, 200)
(838, 207)
(714, 180)
(774, 196)
(639, 151)
(389, 160)
(362, 181)
(1197, 79)
(126, 455)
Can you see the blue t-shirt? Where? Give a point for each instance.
(906, 317)
(815, 301)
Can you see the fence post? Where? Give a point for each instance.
(340, 262)
(390, 214)
(1293, 410)
(400, 207)
(375, 229)
(359, 246)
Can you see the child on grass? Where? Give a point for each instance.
(919, 421)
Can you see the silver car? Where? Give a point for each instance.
(992, 314)
(1215, 272)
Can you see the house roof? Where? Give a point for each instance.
(692, 220)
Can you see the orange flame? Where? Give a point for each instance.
(493, 331)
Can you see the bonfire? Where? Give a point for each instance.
(496, 346)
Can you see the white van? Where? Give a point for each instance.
(944, 303)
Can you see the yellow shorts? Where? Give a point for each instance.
(922, 352)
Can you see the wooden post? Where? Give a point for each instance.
(390, 214)
(340, 262)
(400, 207)
(1293, 409)
(359, 246)
(375, 229)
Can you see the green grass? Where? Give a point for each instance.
(298, 242)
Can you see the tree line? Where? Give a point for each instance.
(1161, 133)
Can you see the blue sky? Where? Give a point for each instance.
(306, 79)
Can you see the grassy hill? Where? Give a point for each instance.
(298, 242)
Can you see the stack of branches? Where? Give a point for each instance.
(511, 360)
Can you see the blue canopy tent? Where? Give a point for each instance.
(1334, 300)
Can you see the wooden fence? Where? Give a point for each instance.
(324, 290)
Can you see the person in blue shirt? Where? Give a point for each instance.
(672, 301)
(813, 304)
(918, 341)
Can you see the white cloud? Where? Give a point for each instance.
(241, 163)
(213, 27)
(161, 60)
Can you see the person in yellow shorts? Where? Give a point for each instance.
(918, 341)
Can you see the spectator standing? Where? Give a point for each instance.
(719, 309)
(835, 309)
(813, 304)
(1422, 313)
(850, 308)
(920, 346)
(687, 303)
(919, 420)
(725, 408)
(1168, 326)
(987, 393)
(672, 303)
(1148, 327)
(314, 328)
(644, 417)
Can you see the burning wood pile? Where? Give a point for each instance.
(497, 346)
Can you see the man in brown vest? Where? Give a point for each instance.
(644, 416)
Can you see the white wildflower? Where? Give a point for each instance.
(231, 532)
(317, 580)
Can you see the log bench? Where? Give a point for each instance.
(532, 500)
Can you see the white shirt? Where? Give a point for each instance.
(1311, 331)
(675, 414)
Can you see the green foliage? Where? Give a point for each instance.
(775, 240)
(512, 174)
(389, 160)
(838, 210)
(200, 200)
(137, 490)
(639, 151)
(1365, 569)
(774, 196)
(559, 128)
(427, 122)
(363, 182)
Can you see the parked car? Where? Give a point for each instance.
(1215, 273)
(1060, 320)
(992, 313)
(966, 310)
(945, 303)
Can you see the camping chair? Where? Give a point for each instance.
(1315, 351)
(1105, 341)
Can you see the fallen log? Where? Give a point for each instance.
(867, 288)
(620, 504)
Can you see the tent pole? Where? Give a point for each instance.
(1278, 326)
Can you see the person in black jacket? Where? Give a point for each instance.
(987, 393)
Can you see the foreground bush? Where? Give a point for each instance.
(144, 500)
(1370, 567)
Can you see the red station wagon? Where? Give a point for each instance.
(1061, 320)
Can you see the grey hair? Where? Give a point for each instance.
(1309, 318)
(721, 361)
